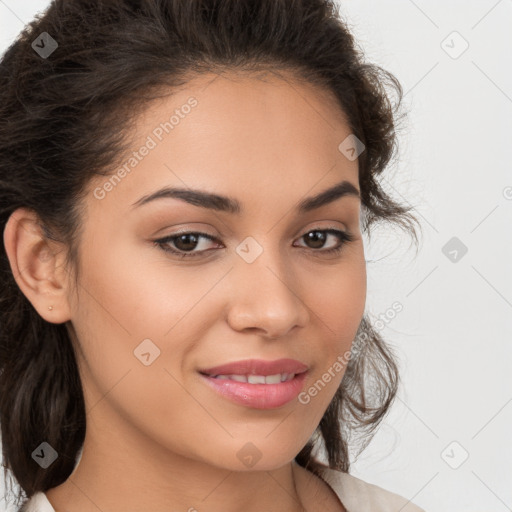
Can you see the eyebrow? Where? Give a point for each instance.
(230, 205)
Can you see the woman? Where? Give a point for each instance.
(140, 372)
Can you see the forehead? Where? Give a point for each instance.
(236, 133)
(244, 99)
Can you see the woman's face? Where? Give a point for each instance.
(148, 322)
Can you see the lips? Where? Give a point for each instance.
(257, 367)
(257, 396)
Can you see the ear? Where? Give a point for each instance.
(37, 264)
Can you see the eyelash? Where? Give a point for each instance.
(343, 236)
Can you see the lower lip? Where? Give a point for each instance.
(258, 396)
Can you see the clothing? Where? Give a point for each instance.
(360, 496)
(355, 494)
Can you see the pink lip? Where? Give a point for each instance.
(257, 367)
(258, 396)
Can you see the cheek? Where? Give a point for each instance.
(336, 302)
(137, 294)
(130, 318)
(336, 298)
(132, 367)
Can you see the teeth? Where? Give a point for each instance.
(256, 379)
(259, 379)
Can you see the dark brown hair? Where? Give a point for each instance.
(64, 118)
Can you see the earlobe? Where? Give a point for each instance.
(36, 264)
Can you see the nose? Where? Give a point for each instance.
(266, 297)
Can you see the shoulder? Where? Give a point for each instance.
(37, 503)
(360, 496)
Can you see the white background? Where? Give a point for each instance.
(453, 335)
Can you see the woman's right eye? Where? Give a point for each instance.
(184, 239)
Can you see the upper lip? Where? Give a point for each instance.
(257, 367)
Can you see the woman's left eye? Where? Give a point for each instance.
(192, 237)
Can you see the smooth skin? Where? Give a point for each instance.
(158, 438)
